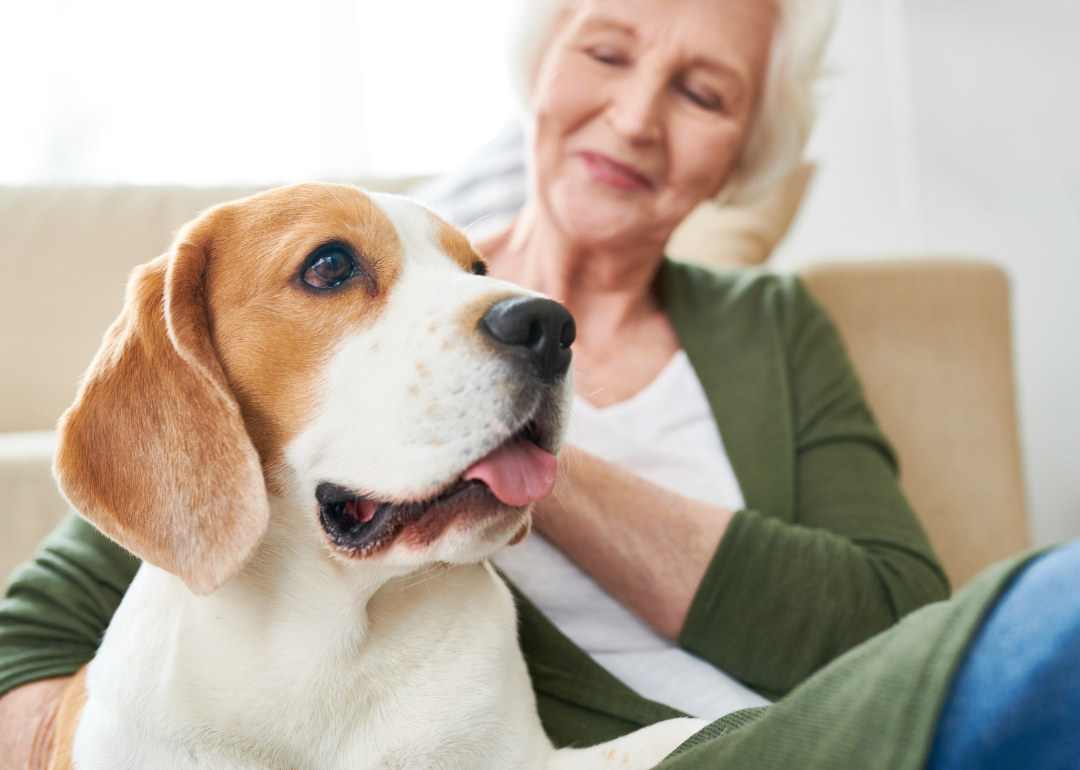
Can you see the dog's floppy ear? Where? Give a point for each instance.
(154, 451)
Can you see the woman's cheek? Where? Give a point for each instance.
(569, 100)
(705, 162)
(570, 94)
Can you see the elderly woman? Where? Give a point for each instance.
(729, 521)
(733, 493)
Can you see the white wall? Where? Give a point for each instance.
(212, 92)
(953, 126)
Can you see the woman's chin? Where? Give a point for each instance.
(599, 217)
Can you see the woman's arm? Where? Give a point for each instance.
(647, 546)
(782, 599)
(58, 605)
(55, 611)
(27, 724)
(767, 601)
(787, 589)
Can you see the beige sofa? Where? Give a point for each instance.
(929, 338)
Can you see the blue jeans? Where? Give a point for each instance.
(1015, 702)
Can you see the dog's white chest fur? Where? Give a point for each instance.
(426, 673)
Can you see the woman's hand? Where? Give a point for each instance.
(27, 724)
(648, 547)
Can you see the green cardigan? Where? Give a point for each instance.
(827, 554)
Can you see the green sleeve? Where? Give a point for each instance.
(789, 590)
(58, 605)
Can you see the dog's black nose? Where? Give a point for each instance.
(535, 328)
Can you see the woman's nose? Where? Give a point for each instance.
(635, 111)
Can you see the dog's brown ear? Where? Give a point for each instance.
(154, 451)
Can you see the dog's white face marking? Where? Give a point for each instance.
(412, 399)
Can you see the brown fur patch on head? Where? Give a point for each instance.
(213, 365)
(456, 246)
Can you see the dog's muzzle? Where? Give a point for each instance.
(533, 335)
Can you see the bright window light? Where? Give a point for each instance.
(208, 92)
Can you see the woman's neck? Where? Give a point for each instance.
(624, 336)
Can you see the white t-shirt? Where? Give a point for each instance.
(667, 435)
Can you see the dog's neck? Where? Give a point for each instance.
(304, 653)
(294, 584)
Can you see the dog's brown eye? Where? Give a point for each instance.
(479, 268)
(329, 269)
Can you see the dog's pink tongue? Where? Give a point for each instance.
(518, 473)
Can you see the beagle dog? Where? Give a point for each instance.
(314, 421)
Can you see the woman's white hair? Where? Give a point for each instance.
(785, 115)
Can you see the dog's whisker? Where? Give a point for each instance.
(425, 576)
(438, 578)
(476, 221)
(333, 194)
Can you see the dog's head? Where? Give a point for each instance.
(336, 349)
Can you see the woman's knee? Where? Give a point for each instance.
(1015, 700)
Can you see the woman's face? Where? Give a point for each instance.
(642, 107)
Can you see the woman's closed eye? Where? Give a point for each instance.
(702, 96)
(607, 54)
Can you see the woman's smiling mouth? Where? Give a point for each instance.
(609, 171)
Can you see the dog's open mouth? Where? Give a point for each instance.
(515, 474)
